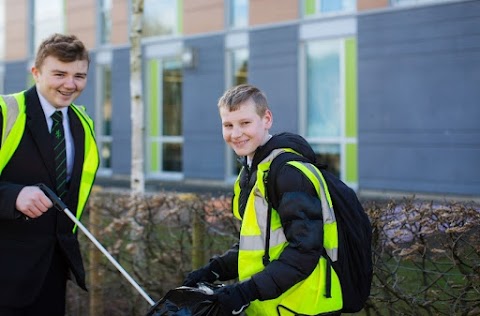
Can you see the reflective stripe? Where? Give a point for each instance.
(329, 221)
(320, 177)
(310, 296)
(236, 195)
(12, 114)
(91, 160)
(13, 108)
(312, 173)
(277, 237)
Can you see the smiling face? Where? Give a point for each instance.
(60, 82)
(244, 129)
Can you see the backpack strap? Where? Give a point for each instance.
(277, 163)
(270, 195)
(273, 200)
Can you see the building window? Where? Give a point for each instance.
(313, 7)
(330, 95)
(2, 43)
(3, 23)
(238, 13)
(161, 18)
(414, 2)
(48, 18)
(105, 21)
(103, 119)
(239, 66)
(164, 118)
(237, 60)
(2, 76)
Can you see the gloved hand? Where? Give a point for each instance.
(209, 273)
(235, 298)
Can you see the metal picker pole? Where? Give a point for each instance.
(62, 207)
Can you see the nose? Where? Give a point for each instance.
(70, 83)
(236, 132)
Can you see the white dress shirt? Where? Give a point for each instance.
(48, 110)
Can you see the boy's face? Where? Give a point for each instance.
(60, 83)
(244, 130)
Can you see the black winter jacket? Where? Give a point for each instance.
(301, 215)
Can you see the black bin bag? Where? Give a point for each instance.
(188, 301)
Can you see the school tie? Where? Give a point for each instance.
(60, 153)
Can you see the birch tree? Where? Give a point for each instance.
(137, 214)
(137, 183)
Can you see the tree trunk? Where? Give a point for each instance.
(96, 273)
(137, 183)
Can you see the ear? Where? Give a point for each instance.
(268, 119)
(35, 72)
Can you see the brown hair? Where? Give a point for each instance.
(66, 48)
(235, 96)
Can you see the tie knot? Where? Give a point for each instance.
(57, 116)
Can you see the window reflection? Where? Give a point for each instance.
(160, 18)
(328, 6)
(239, 70)
(329, 155)
(238, 13)
(104, 122)
(323, 89)
(105, 21)
(239, 66)
(323, 97)
(164, 118)
(172, 98)
(2, 34)
(48, 19)
(172, 158)
(413, 2)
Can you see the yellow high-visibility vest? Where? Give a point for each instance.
(14, 118)
(307, 297)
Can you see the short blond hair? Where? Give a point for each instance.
(235, 96)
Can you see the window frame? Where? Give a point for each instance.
(234, 42)
(36, 39)
(230, 15)
(157, 54)
(3, 28)
(312, 8)
(2, 78)
(348, 138)
(104, 9)
(177, 27)
(103, 60)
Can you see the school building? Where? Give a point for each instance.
(386, 91)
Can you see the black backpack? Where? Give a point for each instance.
(354, 265)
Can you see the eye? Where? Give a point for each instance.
(80, 76)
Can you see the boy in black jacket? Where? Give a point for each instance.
(296, 233)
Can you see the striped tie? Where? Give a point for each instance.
(59, 150)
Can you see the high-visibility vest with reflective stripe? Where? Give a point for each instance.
(307, 297)
(14, 119)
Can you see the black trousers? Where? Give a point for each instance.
(51, 300)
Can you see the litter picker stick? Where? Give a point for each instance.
(57, 203)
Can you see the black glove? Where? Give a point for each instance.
(209, 273)
(235, 298)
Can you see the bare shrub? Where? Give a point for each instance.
(426, 255)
